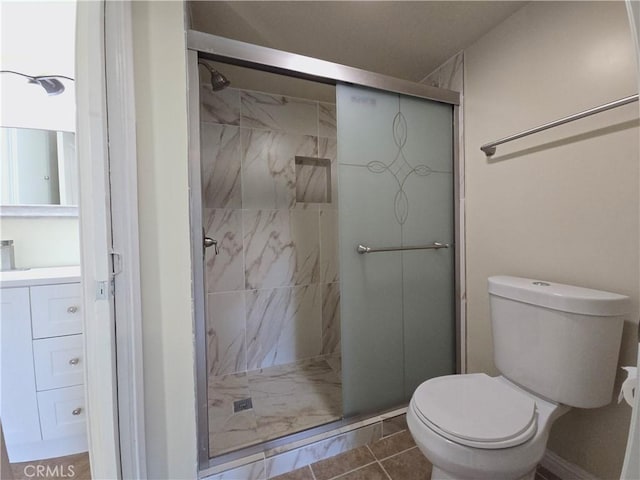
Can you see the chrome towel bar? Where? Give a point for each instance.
(432, 246)
(490, 148)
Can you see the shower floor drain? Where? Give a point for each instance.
(244, 404)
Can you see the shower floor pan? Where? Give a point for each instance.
(284, 399)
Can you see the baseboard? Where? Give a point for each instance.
(563, 468)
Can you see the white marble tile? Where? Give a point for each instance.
(285, 462)
(251, 471)
(308, 206)
(348, 428)
(233, 464)
(269, 250)
(330, 318)
(329, 254)
(327, 120)
(291, 398)
(227, 430)
(335, 362)
(328, 148)
(218, 107)
(286, 399)
(237, 431)
(276, 112)
(226, 349)
(268, 166)
(305, 232)
(224, 271)
(220, 153)
(281, 248)
(283, 325)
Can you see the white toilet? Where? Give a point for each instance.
(556, 347)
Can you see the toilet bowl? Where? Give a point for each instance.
(480, 427)
(556, 347)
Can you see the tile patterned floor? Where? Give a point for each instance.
(286, 399)
(394, 457)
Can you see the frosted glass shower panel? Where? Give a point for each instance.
(395, 178)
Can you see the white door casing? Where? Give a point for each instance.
(124, 223)
(95, 242)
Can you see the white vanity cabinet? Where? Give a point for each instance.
(42, 402)
(18, 402)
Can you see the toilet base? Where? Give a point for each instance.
(438, 474)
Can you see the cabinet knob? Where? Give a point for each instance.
(76, 411)
(74, 361)
(72, 309)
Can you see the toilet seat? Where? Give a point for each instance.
(476, 410)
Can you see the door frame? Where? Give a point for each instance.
(109, 241)
(125, 253)
(213, 47)
(95, 243)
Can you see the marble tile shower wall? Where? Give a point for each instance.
(273, 291)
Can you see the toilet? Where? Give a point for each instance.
(556, 347)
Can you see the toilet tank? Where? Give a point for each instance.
(556, 340)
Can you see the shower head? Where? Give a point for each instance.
(218, 81)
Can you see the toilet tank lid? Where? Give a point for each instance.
(566, 298)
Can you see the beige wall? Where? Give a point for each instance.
(565, 211)
(561, 205)
(161, 110)
(43, 242)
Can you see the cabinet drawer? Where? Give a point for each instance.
(62, 412)
(55, 310)
(59, 362)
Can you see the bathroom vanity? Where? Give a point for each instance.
(42, 403)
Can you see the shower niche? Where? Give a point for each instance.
(313, 180)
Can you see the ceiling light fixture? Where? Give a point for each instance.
(50, 83)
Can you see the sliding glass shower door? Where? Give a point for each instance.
(395, 178)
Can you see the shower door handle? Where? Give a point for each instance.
(210, 242)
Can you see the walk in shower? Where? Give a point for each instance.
(272, 305)
(323, 223)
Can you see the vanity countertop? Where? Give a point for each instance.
(39, 276)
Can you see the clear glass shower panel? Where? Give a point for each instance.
(272, 323)
(395, 178)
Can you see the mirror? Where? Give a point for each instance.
(38, 167)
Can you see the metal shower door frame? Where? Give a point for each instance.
(212, 47)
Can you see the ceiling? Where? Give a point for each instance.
(402, 39)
